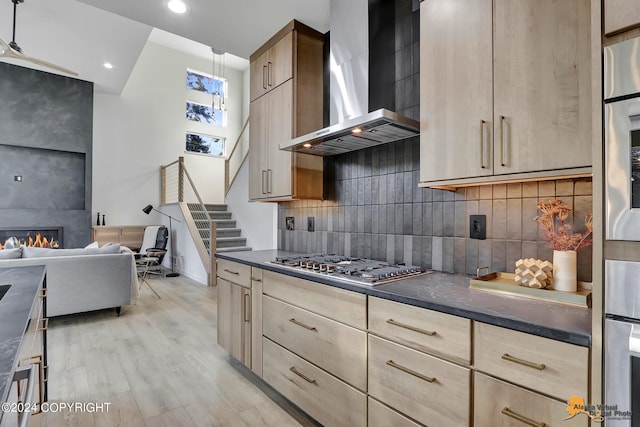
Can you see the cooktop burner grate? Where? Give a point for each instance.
(358, 270)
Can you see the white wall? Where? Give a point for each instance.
(258, 220)
(145, 126)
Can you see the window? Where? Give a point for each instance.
(204, 114)
(205, 144)
(207, 101)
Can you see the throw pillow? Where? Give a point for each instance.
(92, 245)
(11, 253)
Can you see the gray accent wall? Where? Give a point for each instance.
(374, 209)
(46, 126)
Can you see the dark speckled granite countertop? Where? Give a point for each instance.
(15, 309)
(449, 293)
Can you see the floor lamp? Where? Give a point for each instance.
(147, 209)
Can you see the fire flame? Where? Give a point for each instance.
(40, 241)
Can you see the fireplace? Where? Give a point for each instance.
(42, 237)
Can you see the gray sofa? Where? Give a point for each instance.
(80, 280)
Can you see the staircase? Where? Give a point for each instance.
(228, 237)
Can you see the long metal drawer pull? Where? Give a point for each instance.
(482, 144)
(247, 307)
(410, 372)
(502, 140)
(295, 322)
(411, 328)
(264, 77)
(509, 413)
(255, 279)
(510, 358)
(303, 376)
(231, 272)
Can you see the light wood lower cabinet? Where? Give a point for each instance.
(323, 396)
(551, 367)
(240, 274)
(343, 306)
(256, 321)
(380, 415)
(422, 329)
(337, 348)
(428, 389)
(234, 320)
(497, 403)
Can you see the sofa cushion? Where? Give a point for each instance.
(44, 252)
(14, 253)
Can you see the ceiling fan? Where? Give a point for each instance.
(12, 50)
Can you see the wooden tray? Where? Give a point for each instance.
(505, 283)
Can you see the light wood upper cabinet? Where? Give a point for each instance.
(505, 90)
(259, 149)
(541, 85)
(286, 102)
(620, 15)
(456, 107)
(279, 182)
(272, 67)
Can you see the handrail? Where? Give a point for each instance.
(195, 191)
(207, 257)
(228, 180)
(244, 127)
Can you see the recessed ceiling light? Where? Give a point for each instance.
(307, 145)
(108, 65)
(177, 6)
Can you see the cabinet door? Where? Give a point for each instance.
(541, 85)
(258, 77)
(256, 321)
(279, 178)
(258, 148)
(280, 62)
(231, 318)
(500, 404)
(455, 89)
(620, 15)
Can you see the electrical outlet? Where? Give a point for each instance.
(478, 227)
(290, 223)
(311, 223)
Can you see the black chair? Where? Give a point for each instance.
(154, 244)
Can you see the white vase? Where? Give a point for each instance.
(565, 271)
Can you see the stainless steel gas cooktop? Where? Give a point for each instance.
(356, 270)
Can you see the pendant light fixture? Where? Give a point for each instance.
(218, 96)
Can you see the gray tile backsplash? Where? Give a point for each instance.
(376, 210)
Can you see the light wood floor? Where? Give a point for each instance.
(158, 364)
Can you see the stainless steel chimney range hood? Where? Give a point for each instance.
(353, 125)
(375, 128)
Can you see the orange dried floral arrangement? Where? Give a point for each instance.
(558, 234)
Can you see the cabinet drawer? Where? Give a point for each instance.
(380, 415)
(551, 367)
(423, 387)
(335, 303)
(237, 273)
(421, 329)
(324, 397)
(340, 349)
(501, 404)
